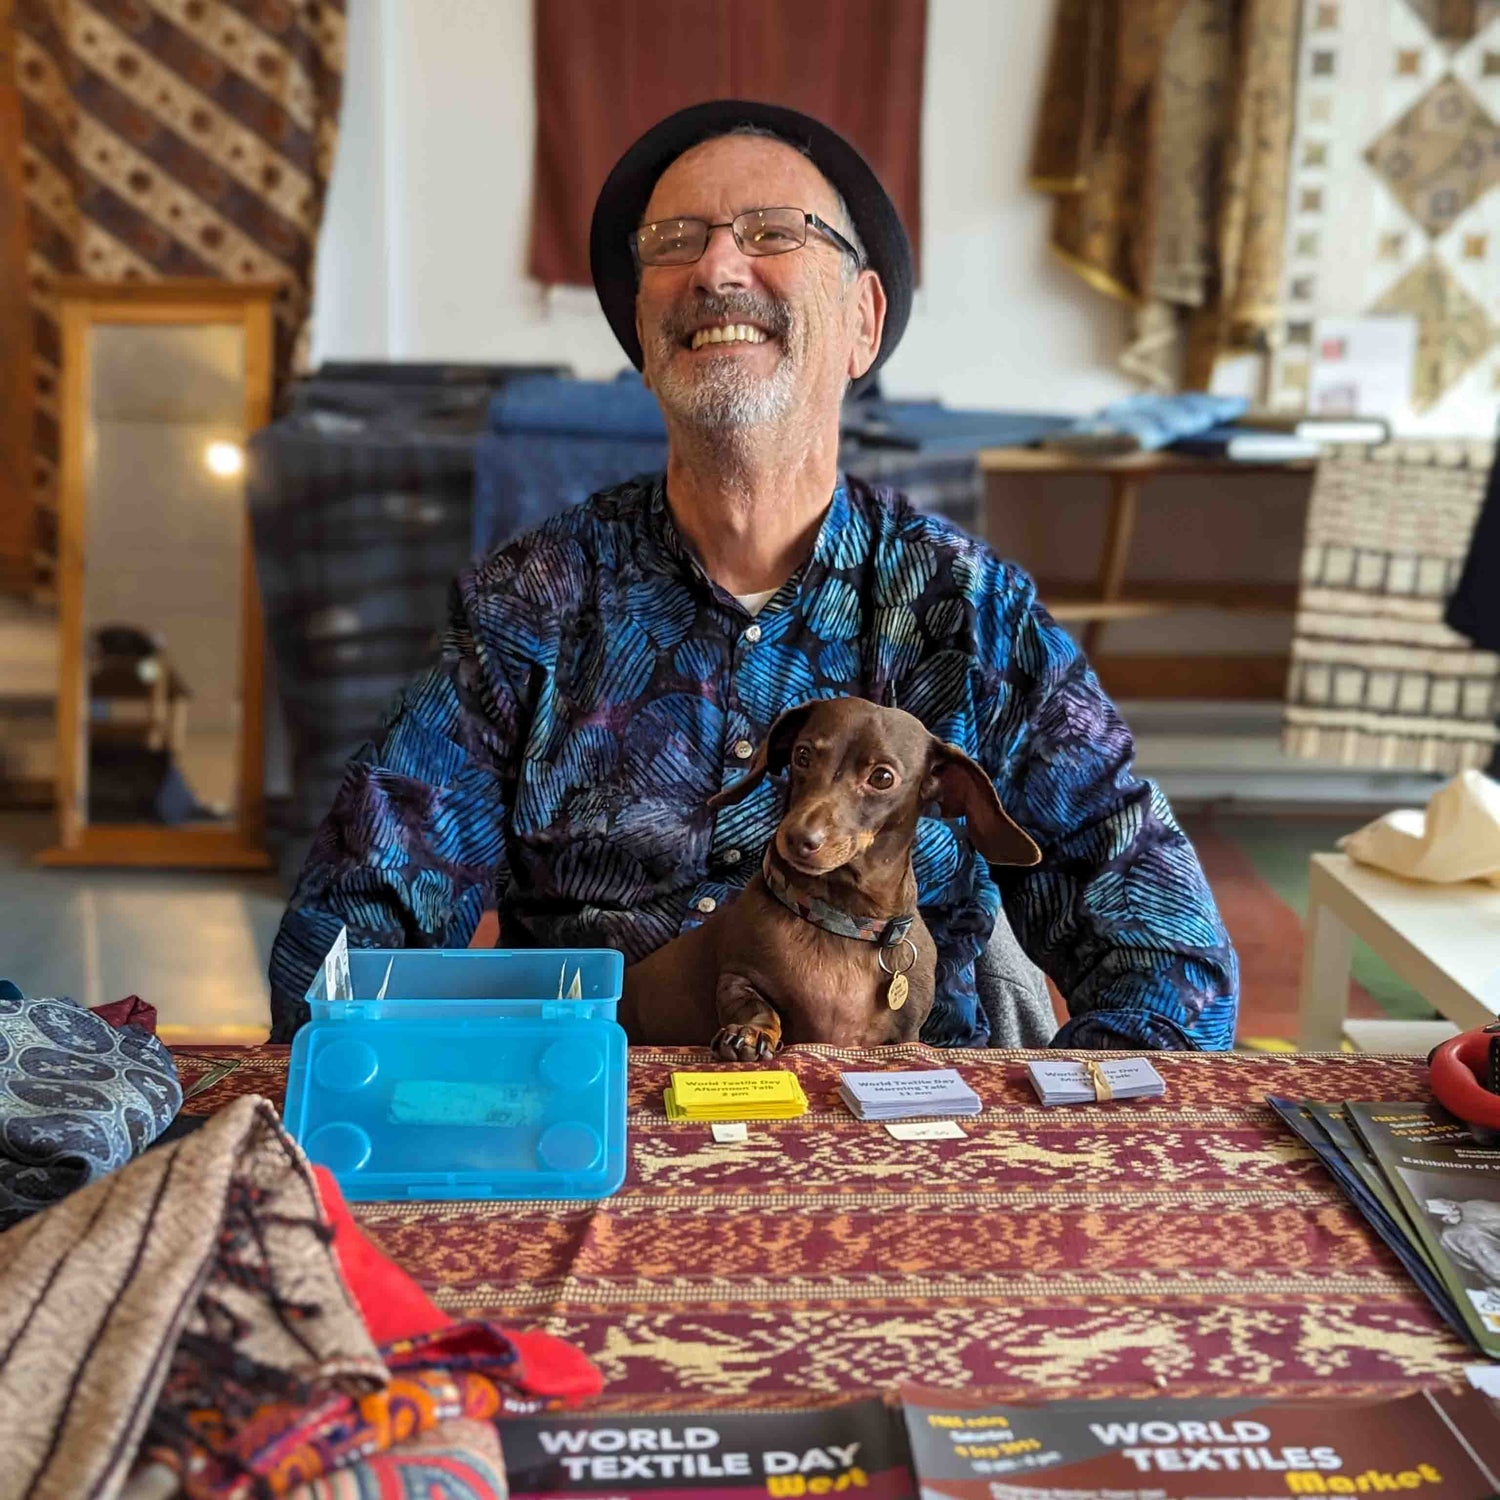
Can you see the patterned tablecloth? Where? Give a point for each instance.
(1187, 1244)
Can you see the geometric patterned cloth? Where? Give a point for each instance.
(171, 138)
(1394, 204)
(1377, 678)
(1188, 1245)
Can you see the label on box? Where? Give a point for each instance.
(336, 981)
(731, 1131)
(927, 1130)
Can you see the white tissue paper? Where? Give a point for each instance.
(1457, 838)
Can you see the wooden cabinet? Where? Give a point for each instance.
(1114, 597)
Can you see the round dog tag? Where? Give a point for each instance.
(895, 997)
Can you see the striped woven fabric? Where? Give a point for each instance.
(1185, 1246)
(171, 138)
(1377, 678)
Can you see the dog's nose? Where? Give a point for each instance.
(802, 843)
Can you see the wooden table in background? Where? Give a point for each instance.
(1112, 598)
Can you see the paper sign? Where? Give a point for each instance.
(926, 1130)
(726, 1134)
(336, 982)
(1362, 367)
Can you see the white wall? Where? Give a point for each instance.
(423, 248)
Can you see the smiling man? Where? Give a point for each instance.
(605, 676)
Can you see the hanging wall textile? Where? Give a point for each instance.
(1163, 136)
(171, 138)
(1377, 678)
(1394, 208)
(606, 72)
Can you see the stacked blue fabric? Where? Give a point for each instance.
(553, 442)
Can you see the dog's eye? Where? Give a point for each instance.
(882, 778)
(802, 756)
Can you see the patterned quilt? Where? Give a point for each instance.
(1187, 1244)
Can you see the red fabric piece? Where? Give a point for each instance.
(131, 1011)
(396, 1309)
(552, 1367)
(392, 1304)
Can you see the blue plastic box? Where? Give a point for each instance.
(435, 1074)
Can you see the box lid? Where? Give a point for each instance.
(460, 1076)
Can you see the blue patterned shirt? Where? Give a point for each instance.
(596, 688)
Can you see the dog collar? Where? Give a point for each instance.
(886, 932)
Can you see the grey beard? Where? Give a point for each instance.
(723, 394)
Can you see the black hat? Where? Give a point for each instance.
(628, 188)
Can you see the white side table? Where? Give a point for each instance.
(1443, 940)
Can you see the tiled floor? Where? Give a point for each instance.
(197, 945)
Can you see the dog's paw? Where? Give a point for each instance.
(745, 1044)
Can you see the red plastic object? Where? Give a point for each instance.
(1457, 1067)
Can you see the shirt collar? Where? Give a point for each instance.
(825, 553)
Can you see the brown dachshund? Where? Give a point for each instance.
(812, 950)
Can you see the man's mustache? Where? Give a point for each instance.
(681, 322)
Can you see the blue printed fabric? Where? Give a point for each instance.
(78, 1098)
(1155, 421)
(596, 688)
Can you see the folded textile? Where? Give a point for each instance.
(1457, 838)
(931, 427)
(201, 1314)
(214, 1247)
(223, 1454)
(131, 1011)
(78, 1098)
(458, 1460)
(522, 479)
(619, 408)
(1143, 423)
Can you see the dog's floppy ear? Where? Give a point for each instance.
(962, 789)
(770, 759)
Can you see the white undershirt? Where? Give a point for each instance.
(754, 603)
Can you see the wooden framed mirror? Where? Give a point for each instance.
(159, 704)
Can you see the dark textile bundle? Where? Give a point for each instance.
(78, 1099)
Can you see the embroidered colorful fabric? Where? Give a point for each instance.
(232, 1430)
(462, 1372)
(458, 1460)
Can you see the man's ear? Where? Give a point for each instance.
(770, 759)
(962, 789)
(869, 310)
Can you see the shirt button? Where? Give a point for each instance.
(705, 904)
(731, 856)
(744, 749)
(753, 634)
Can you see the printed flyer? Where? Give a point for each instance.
(1429, 1445)
(857, 1449)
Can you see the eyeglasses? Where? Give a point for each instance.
(757, 231)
